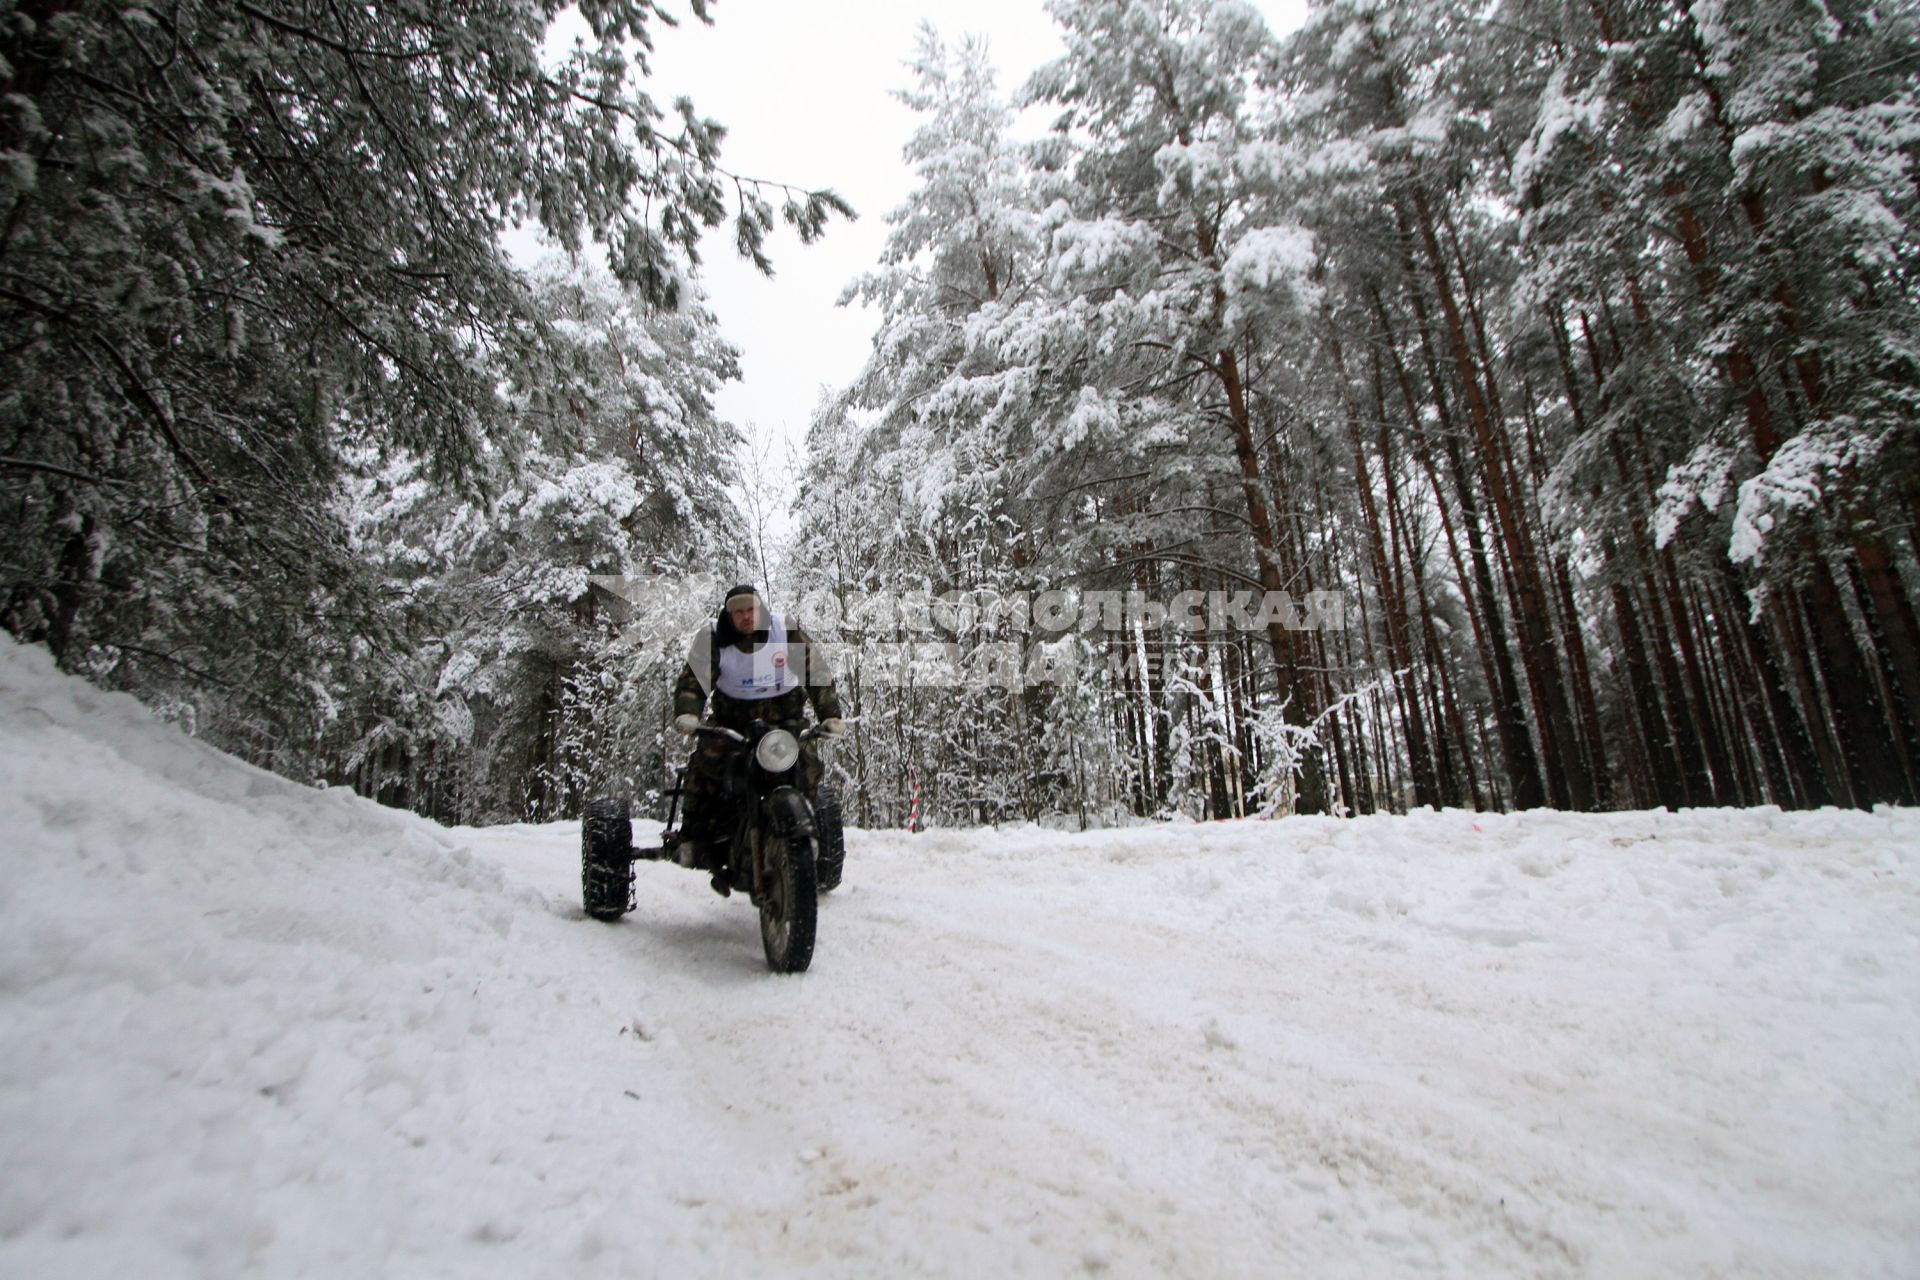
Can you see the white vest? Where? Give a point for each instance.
(755, 676)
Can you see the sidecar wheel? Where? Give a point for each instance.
(790, 907)
(606, 859)
(829, 840)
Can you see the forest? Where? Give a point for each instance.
(1556, 362)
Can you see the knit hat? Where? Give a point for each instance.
(742, 596)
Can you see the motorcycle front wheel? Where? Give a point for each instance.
(789, 908)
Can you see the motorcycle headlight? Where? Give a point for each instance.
(777, 751)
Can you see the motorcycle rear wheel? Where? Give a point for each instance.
(789, 907)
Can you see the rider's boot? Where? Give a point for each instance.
(709, 852)
(702, 845)
(695, 840)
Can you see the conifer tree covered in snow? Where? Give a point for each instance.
(255, 308)
(523, 687)
(1574, 344)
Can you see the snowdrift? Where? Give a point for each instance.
(253, 1028)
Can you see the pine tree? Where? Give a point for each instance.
(245, 241)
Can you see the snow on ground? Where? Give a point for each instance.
(251, 1028)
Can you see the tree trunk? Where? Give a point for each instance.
(1509, 713)
(1536, 647)
(1392, 605)
(1866, 746)
(1292, 691)
(1652, 720)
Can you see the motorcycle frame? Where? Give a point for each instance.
(787, 809)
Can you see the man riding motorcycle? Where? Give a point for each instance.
(754, 665)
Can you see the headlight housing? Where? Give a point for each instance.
(777, 752)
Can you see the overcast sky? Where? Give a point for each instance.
(804, 88)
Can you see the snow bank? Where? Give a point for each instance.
(253, 1028)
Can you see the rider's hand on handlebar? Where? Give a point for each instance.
(832, 727)
(688, 724)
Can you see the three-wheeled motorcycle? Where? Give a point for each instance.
(782, 849)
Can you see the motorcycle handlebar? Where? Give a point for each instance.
(721, 731)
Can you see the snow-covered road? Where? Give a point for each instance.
(255, 1029)
(1635, 1045)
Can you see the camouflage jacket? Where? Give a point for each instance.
(690, 690)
